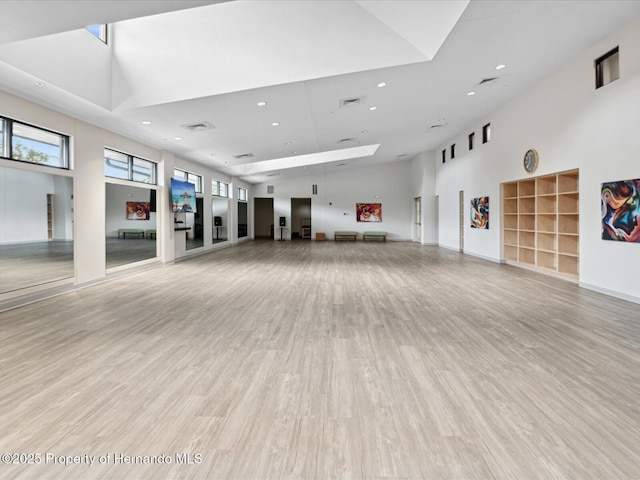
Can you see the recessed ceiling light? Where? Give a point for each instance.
(275, 124)
(178, 138)
(500, 67)
(382, 84)
(373, 108)
(471, 93)
(146, 122)
(287, 143)
(364, 131)
(262, 104)
(40, 84)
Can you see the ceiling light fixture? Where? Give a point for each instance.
(500, 67)
(373, 108)
(262, 104)
(146, 122)
(382, 84)
(40, 84)
(275, 124)
(178, 138)
(471, 93)
(287, 143)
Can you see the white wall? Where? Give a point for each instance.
(572, 125)
(334, 208)
(23, 205)
(423, 185)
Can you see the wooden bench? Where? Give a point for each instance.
(375, 235)
(345, 235)
(123, 232)
(151, 233)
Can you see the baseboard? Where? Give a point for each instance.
(611, 293)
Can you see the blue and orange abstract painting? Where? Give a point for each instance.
(480, 213)
(620, 205)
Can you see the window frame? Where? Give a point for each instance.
(130, 170)
(246, 195)
(599, 66)
(219, 183)
(486, 133)
(472, 139)
(187, 178)
(103, 32)
(444, 156)
(453, 151)
(6, 127)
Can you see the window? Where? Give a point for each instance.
(453, 151)
(98, 31)
(242, 194)
(219, 189)
(607, 68)
(444, 156)
(190, 178)
(471, 139)
(127, 167)
(486, 133)
(31, 144)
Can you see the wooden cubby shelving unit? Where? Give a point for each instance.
(540, 222)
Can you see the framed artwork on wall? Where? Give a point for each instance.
(369, 212)
(183, 196)
(480, 213)
(620, 205)
(138, 210)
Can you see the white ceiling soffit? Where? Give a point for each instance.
(306, 160)
(279, 42)
(425, 25)
(22, 19)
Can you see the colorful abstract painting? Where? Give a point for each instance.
(620, 203)
(369, 212)
(138, 210)
(480, 213)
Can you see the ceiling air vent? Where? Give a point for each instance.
(346, 140)
(351, 102)
(487, 80)
(198, 126)
(273, 175)
(243, 156)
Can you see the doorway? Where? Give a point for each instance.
(196, 239)
(461, 221)
(263, 218)
(242, 219)
(301, 218)
(417, 215)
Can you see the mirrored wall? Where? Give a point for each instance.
(220, 212)
(194, 220)
(130, 224)
(36, 228)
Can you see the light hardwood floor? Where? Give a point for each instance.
(314, 360)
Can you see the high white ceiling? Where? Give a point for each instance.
(176, 63)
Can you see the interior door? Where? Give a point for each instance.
(417, 215)
(461, 221)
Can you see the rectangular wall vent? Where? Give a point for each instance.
(270, 189)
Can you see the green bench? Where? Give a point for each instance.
(151, 233)
(123, 232)
(374, 235)
(345, 235)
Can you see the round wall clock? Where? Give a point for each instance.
(530, 160)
